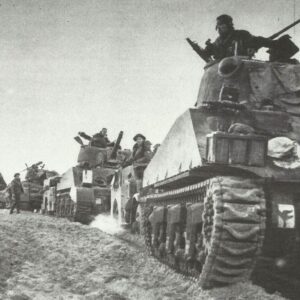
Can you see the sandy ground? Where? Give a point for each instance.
(48, 258)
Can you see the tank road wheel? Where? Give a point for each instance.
(212, 231)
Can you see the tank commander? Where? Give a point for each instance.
(33, 172)
(16, 191)
(104, 133)
(232, 41)
(99, 139)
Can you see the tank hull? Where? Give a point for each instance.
(33, 196)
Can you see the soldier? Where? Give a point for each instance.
(16, 191)
(141, 151)
(99, 139)
(104, 133)
(232, 41)
(140, 157)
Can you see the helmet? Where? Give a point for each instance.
(225, 19)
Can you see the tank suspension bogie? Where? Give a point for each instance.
(212, 230)
(66, 207)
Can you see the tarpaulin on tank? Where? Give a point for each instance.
(255, 81)
(281, 83)
(276, 81)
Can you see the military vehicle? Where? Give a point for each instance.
(3, 196)
(33, 186)
(214, 203)
(84, 190)
(125, 189)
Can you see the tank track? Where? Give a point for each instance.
(79, 211)
(212, 231)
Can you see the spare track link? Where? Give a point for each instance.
(220, 245)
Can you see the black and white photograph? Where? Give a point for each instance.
(150, 150)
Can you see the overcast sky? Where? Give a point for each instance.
(74, 65)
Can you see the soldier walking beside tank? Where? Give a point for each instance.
(16, 191)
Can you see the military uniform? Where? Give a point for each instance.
(99, 139)
(16, 191)
(230, 40)
(225, 46)
(141, 154)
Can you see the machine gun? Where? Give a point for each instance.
(200, 51)
(284, 48)
(116, 146)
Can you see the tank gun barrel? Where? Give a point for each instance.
(275, 35)
(113, 154)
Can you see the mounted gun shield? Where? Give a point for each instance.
(284, 48)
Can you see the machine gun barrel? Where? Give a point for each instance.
(198, 50)
(113, 154)
(275, 35)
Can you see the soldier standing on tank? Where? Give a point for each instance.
(232, 41)
(141, 152)
(139, 159)
(16, 191)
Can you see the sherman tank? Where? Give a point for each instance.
(220, 198)
(84, 190)
(33, 186)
